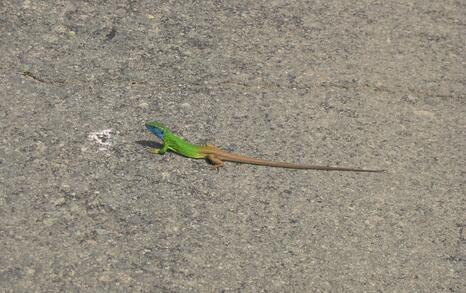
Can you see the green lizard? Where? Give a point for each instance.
(217, 156)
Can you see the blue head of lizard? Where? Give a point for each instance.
(158, 129)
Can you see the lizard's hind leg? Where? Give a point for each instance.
(215, 161)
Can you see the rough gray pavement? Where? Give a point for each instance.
(84, 207)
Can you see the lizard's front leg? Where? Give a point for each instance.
(216, 162)
(160, 151)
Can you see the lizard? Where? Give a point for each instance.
(216, 156)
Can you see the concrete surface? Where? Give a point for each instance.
(85, 208)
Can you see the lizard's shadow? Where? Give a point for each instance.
(149, 143)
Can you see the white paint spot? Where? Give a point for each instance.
(103, 138)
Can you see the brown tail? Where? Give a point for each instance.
(225, 156)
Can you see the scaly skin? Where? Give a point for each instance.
(217, 156)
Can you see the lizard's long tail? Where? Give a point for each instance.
(226, 156)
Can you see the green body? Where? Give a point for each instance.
(180, 146)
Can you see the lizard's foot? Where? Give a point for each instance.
(215, 167)
(157, 151)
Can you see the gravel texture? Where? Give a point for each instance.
(84, 207)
